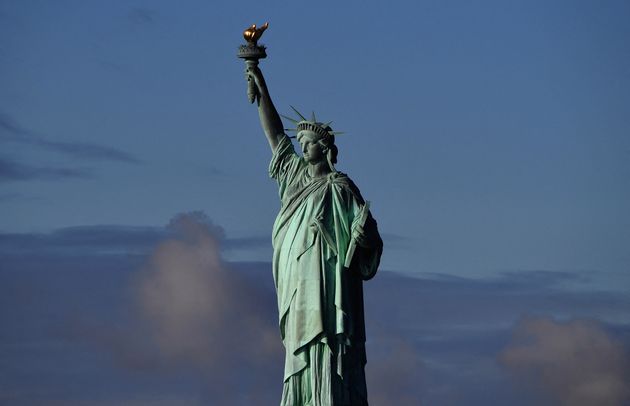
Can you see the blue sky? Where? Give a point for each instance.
(491, 137)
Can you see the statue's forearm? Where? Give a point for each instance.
(269, 117)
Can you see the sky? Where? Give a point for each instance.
(491, 137)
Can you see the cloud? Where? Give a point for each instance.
(437, 303)
(577, 362)
(11, 131)
(11, 171)
(94, 239)
(7, 197)
(85, 151)
(394, 370)
(198, 308)
(396, 241)
(458, 325)
(142, 15)
(109, 239)
(194, 312)
(7, 124)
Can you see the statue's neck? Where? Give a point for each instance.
(319, 169)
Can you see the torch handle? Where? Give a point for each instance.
(252, 90)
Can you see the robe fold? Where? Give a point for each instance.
(320, 302)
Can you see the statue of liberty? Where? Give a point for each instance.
(325, 244)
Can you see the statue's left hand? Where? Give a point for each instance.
(359, 236)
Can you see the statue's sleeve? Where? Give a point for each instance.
(285, 164)
(366, 259)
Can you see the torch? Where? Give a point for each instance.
(251, 52)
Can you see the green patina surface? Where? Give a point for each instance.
(320, 301)
(325, 245)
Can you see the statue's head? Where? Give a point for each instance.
(317, 145)
(317, 140)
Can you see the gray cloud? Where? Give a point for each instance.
(394, 371)
(459, 325)
(85, 150)
(89, 239)
(435, 304)
(577, 362)
(7, 197)
(11, 171)
(109, 239)
(11, 131)
(140, 15)
(395, 241)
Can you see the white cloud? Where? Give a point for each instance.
(197, 307)
(577, 363)
(201, 315)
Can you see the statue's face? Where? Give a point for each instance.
(311, 149)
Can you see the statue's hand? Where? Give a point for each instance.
(254, 75)
(359, 235)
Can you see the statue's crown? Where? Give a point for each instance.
(317, 128)
(321, 129)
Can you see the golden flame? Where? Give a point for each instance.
(252, 34)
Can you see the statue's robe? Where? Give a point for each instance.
(320, 301)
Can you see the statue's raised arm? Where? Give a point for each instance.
(257, 90)
(269, 117)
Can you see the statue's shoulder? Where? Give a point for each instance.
(340, 179)
(343, 181)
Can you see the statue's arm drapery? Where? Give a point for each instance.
(285, 164)
(366, 258)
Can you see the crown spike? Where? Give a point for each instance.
(313, 119)
(336, 132)
(290, 119)
(328, 123)
(298, 113)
